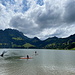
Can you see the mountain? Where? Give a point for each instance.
(37, 42)
(60, 43)
(11, 38)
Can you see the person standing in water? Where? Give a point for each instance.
(35, 52)
(27, 56)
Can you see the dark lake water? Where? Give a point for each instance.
(45, 62)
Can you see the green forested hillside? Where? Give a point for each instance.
(11, 38)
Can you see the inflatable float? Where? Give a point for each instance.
(25, 58)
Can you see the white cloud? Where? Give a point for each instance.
(3, 22)
(45, 19)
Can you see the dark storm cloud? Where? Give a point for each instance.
(69, 15)
(23, 24)
(50, 17)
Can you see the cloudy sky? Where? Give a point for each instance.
(40, 18)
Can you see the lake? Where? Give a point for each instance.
(45, 62)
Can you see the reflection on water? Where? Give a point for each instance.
(46, 62)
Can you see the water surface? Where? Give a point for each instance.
(46, 62)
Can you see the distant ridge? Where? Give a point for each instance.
(11, 38)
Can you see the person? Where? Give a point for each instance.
(27, 56)
(35, 52)
(3, 53)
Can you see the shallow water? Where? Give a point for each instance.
(46, 62)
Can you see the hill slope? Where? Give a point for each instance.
(11, 38)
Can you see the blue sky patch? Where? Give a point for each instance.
(40, 2)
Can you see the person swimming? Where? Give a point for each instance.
(36, 53)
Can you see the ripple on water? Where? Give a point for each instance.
(39, 65)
